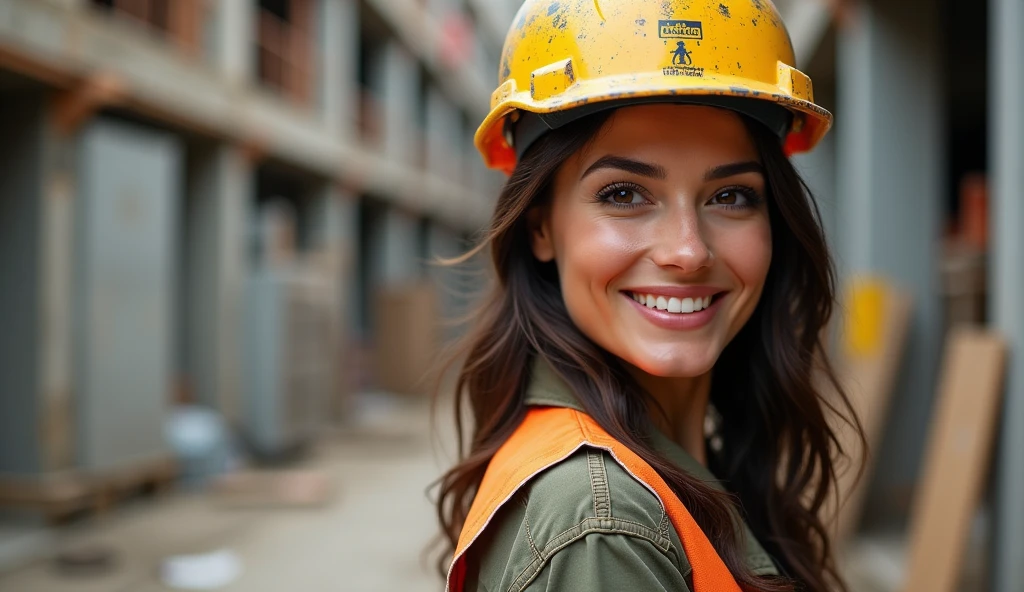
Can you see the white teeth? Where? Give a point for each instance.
(673, 304)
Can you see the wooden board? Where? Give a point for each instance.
(957, 458)
(407, 336)
(60, 494)
(876, 327)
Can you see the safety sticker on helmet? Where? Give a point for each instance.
(680, 30)
(682, 63)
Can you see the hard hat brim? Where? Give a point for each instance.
(810, 122)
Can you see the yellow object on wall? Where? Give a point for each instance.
(865, 318)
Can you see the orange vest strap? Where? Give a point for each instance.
(549, 435)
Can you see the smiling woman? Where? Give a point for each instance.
(640, 380)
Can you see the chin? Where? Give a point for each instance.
(681, 363)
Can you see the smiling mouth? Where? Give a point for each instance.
(674, 305)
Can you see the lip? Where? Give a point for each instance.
(677, 321)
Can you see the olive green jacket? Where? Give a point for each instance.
(586, 524)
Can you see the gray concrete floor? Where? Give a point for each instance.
(371, 537)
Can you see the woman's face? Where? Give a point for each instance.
(660, 232)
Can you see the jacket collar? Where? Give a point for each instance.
(547, 389)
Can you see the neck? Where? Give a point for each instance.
(680, 405)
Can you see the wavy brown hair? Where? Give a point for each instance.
(778, 453)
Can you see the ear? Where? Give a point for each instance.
(540, 234)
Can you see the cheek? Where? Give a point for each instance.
(591, 255)
(747, 252)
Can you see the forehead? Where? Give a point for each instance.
(681, 138)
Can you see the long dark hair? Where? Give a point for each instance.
(778, 453)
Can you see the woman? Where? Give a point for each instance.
(644, 414)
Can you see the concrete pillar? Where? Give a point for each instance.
(444, 133)
(394, 249)
(1006, 279)
(453, 284)
(334, 238)
(891, 189)
(218, 204)
(26, 207)
(232, 38)
(338, 57)
(818, 168)
(334, 234)
(394, 82)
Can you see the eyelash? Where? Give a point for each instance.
(604, 196)
(754, 198)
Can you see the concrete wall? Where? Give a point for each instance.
(129, 184)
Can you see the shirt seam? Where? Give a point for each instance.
(529, 537)
(612, 526)
(599, 484)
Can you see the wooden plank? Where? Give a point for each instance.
(957, 458)
(62, 493)
(875, 330)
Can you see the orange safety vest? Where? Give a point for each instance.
(549, 435)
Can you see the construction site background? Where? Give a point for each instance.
(220, 222)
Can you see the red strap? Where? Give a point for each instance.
(549, 435)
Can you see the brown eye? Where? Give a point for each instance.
(624, 196)
(735, 199)
(727, 198)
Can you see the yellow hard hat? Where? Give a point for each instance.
(564, 59)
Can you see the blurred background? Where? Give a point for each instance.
(217, 302)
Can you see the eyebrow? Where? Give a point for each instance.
(655, 171)
(629, 165)
(731, 170)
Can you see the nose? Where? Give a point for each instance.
(680, 243)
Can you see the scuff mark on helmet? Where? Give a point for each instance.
(521, 21)
(724, 10)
